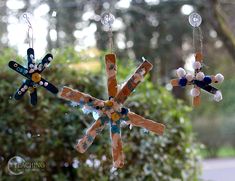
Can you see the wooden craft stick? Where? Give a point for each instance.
(19, 68)
(33, 96)
(19, 94)
(50, 87)
(132, 83)
(95, 129)
(45, 62)
(150, 125)
(111, 70)
(117, 153)
(175, 82)
(77, 96)
(198, 57)
(197, 99)
(30, 56)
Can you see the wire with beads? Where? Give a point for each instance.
(199, 80)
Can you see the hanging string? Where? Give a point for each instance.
(26, 19)
(197, 40)
(107, 19)
(195, 21)
(110, 34)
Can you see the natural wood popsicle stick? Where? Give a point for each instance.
(77, 96)
(132, 83)
(150, 125)
(85, 142)
(175, 82)
(197, 99)
(111, 70)
(117, 152)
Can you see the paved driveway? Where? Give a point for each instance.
(219, 170)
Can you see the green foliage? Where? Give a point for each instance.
(48, 131)
(223, 152)
(216, 130)
(8, 54)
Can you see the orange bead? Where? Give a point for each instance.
(36, 77)
(115, 116)
(109, 103)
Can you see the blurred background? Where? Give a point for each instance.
(155, 29)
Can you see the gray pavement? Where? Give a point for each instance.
(218, 169)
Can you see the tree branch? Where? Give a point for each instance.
(218, 21)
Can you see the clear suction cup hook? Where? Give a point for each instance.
(107, 19)
(195, 19)
(26, 18)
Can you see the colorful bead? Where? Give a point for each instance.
(124, 111)
(115, 129)
(183, 82)
(218, 96)
(189, 77)
(200, 76)
(109, 103)
(219, 78)
(195, 92)
(180, 72)
(197, 65)
(45, 83)
(207, 79)
(115, 116)
(36, 77)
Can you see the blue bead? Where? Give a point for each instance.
(124, 111)
(207, 79)
(183, 82)
(115, 129)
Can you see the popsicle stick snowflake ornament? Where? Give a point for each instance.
(33, 71)
(112, 111)
(199, 80)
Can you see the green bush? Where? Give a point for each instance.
(48, 131)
